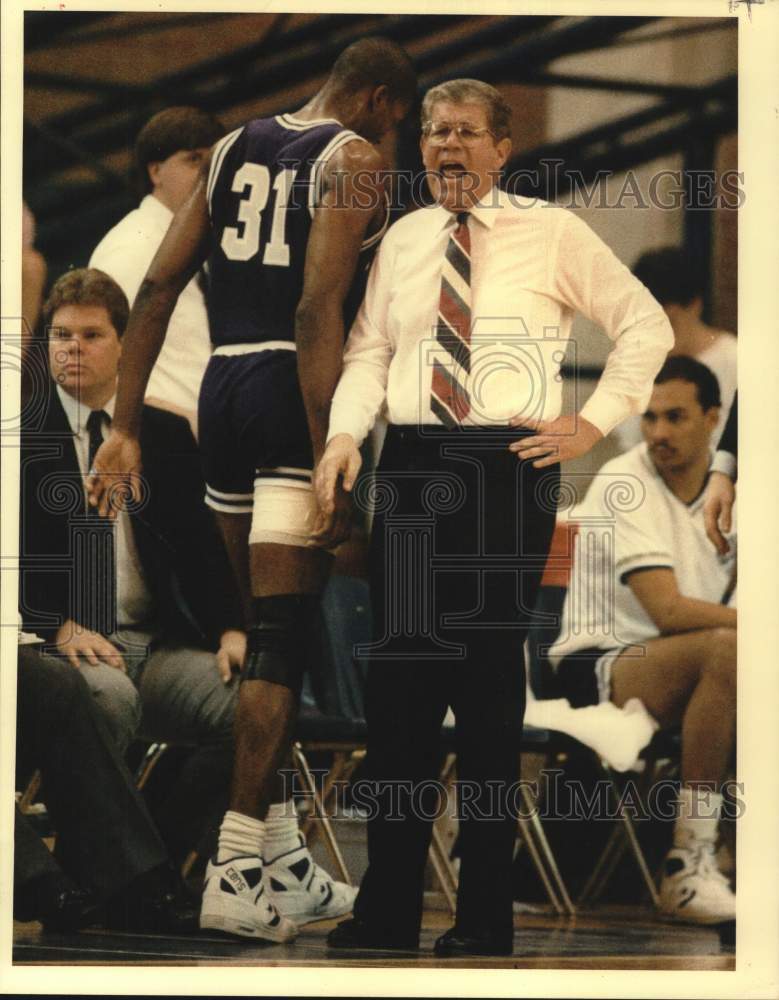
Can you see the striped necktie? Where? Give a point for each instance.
(449, 397)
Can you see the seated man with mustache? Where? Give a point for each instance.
(651, 616)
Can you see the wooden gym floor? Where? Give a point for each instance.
(608, 938)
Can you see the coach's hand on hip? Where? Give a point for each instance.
(555, 440)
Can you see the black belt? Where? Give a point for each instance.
(439, 433)
(434, 435)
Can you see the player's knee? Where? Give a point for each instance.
(278, 639)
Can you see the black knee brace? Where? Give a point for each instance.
(278, 640)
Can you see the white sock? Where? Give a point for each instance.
(697, 819)
(239, 836)
(281, 830)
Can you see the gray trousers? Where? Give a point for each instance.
(170, 693)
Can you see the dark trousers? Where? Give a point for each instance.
(105, 837)
(460, 537)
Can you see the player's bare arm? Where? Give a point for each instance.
(353, 197)
(184, 249)
(658, 593)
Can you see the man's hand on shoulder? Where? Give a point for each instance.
(115, 475)
(555, 440)
(74, 641)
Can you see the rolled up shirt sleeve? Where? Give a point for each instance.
(589, 278)
(725, 463)
(362, 387)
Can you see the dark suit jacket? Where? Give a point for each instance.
(179, 546)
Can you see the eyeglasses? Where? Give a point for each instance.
(437, 133)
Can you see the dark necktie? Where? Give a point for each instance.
(96, 582)
(449, 397)
(95, 431)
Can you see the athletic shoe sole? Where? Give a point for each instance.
(212, 919)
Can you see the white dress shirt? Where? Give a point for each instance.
(533, 266)
(134, 604)
(125, 253)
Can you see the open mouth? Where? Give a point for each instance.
(452, 168)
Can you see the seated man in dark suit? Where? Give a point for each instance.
(111, 866)
(145, 607)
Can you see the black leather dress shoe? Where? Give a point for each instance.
(159, 913)
(456, 944)
(356, 934)
(72, 910)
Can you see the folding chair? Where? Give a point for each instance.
(332, 717)
(661, 758)
(544, 685)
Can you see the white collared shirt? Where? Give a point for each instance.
(134, 605)
(125, 253)
(533, 266)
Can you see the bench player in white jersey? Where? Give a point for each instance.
(650, 614)
(288, 213)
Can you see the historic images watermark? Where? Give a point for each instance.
(551, 797)
(666, 190)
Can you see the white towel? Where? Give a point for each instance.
(617, 735)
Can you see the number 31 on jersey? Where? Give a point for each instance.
(253, 181)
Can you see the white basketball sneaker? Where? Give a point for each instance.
(236, 901)
(693, 889)
(303, 891)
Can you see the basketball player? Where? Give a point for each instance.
(289, 214)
